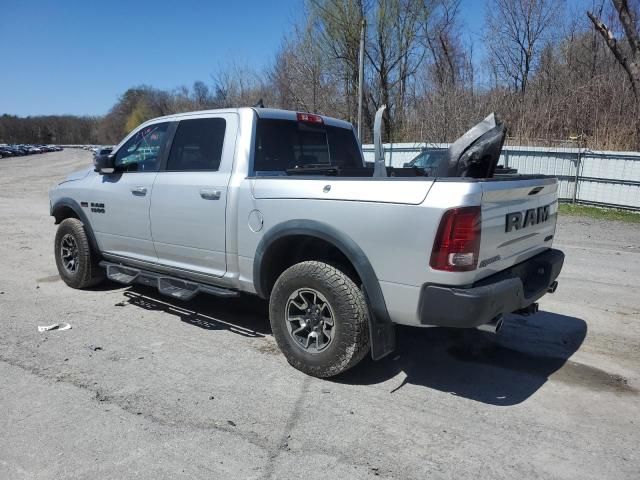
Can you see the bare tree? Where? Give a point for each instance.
(336, 29)
(239, 85)
(302, 76)
(201, 94)
(394, 56)
(516, 30)
(441, 38)
(445, 81)
(629, 56)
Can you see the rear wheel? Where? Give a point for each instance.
(319, 318)
(77, 263)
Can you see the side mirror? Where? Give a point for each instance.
(105, 163)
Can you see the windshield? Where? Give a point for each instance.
(283, 145)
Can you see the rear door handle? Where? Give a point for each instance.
(210, 194)
(140, 191)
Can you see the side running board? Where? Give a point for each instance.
(167, 285)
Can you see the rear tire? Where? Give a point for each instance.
(319, 318)
(76, 261)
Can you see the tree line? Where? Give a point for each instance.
(556, 76)
(49, 129)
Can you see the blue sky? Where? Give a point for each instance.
(71, 56)
(77, 57)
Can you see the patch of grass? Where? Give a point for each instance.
(600, 213)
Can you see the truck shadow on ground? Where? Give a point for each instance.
(498, 369)
(246, 315)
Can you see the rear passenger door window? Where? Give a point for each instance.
(197, 145)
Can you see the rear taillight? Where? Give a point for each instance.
(310, 118)
(457, 242)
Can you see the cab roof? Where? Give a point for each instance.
(274, 113)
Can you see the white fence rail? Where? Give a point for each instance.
(603, 178)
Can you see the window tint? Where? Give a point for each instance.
(344, 148)
(141, 153)
(197, 145)
(285, 144)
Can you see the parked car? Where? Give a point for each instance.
(102, 152)
(27, 149)
(24, 149)
(277, 204)
(18, 151)
(427, 161)
(502, 170)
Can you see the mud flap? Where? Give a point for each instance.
(382, 332)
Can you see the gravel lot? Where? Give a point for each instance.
(148, 387)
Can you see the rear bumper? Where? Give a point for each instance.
(499, 294)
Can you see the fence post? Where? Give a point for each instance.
(577, 177)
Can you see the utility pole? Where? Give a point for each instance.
(361, 77)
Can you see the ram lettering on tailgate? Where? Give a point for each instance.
(520, 220)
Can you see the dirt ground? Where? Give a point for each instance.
(148, 387)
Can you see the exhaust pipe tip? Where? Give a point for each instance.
(528, 310)
(552, 288)
(494, 326)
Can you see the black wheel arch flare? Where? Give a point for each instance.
(66, 202)
(381, 328)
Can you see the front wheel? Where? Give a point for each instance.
(319, 318)
(76, 261)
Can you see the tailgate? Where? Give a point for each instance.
(518, 221)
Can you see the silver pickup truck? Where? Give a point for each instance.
(280, 204)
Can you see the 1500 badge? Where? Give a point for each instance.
(533, 216)
(97, 207)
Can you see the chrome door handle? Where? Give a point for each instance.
(210, 194)
(141, 191)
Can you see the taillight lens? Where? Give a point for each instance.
(457, 244)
